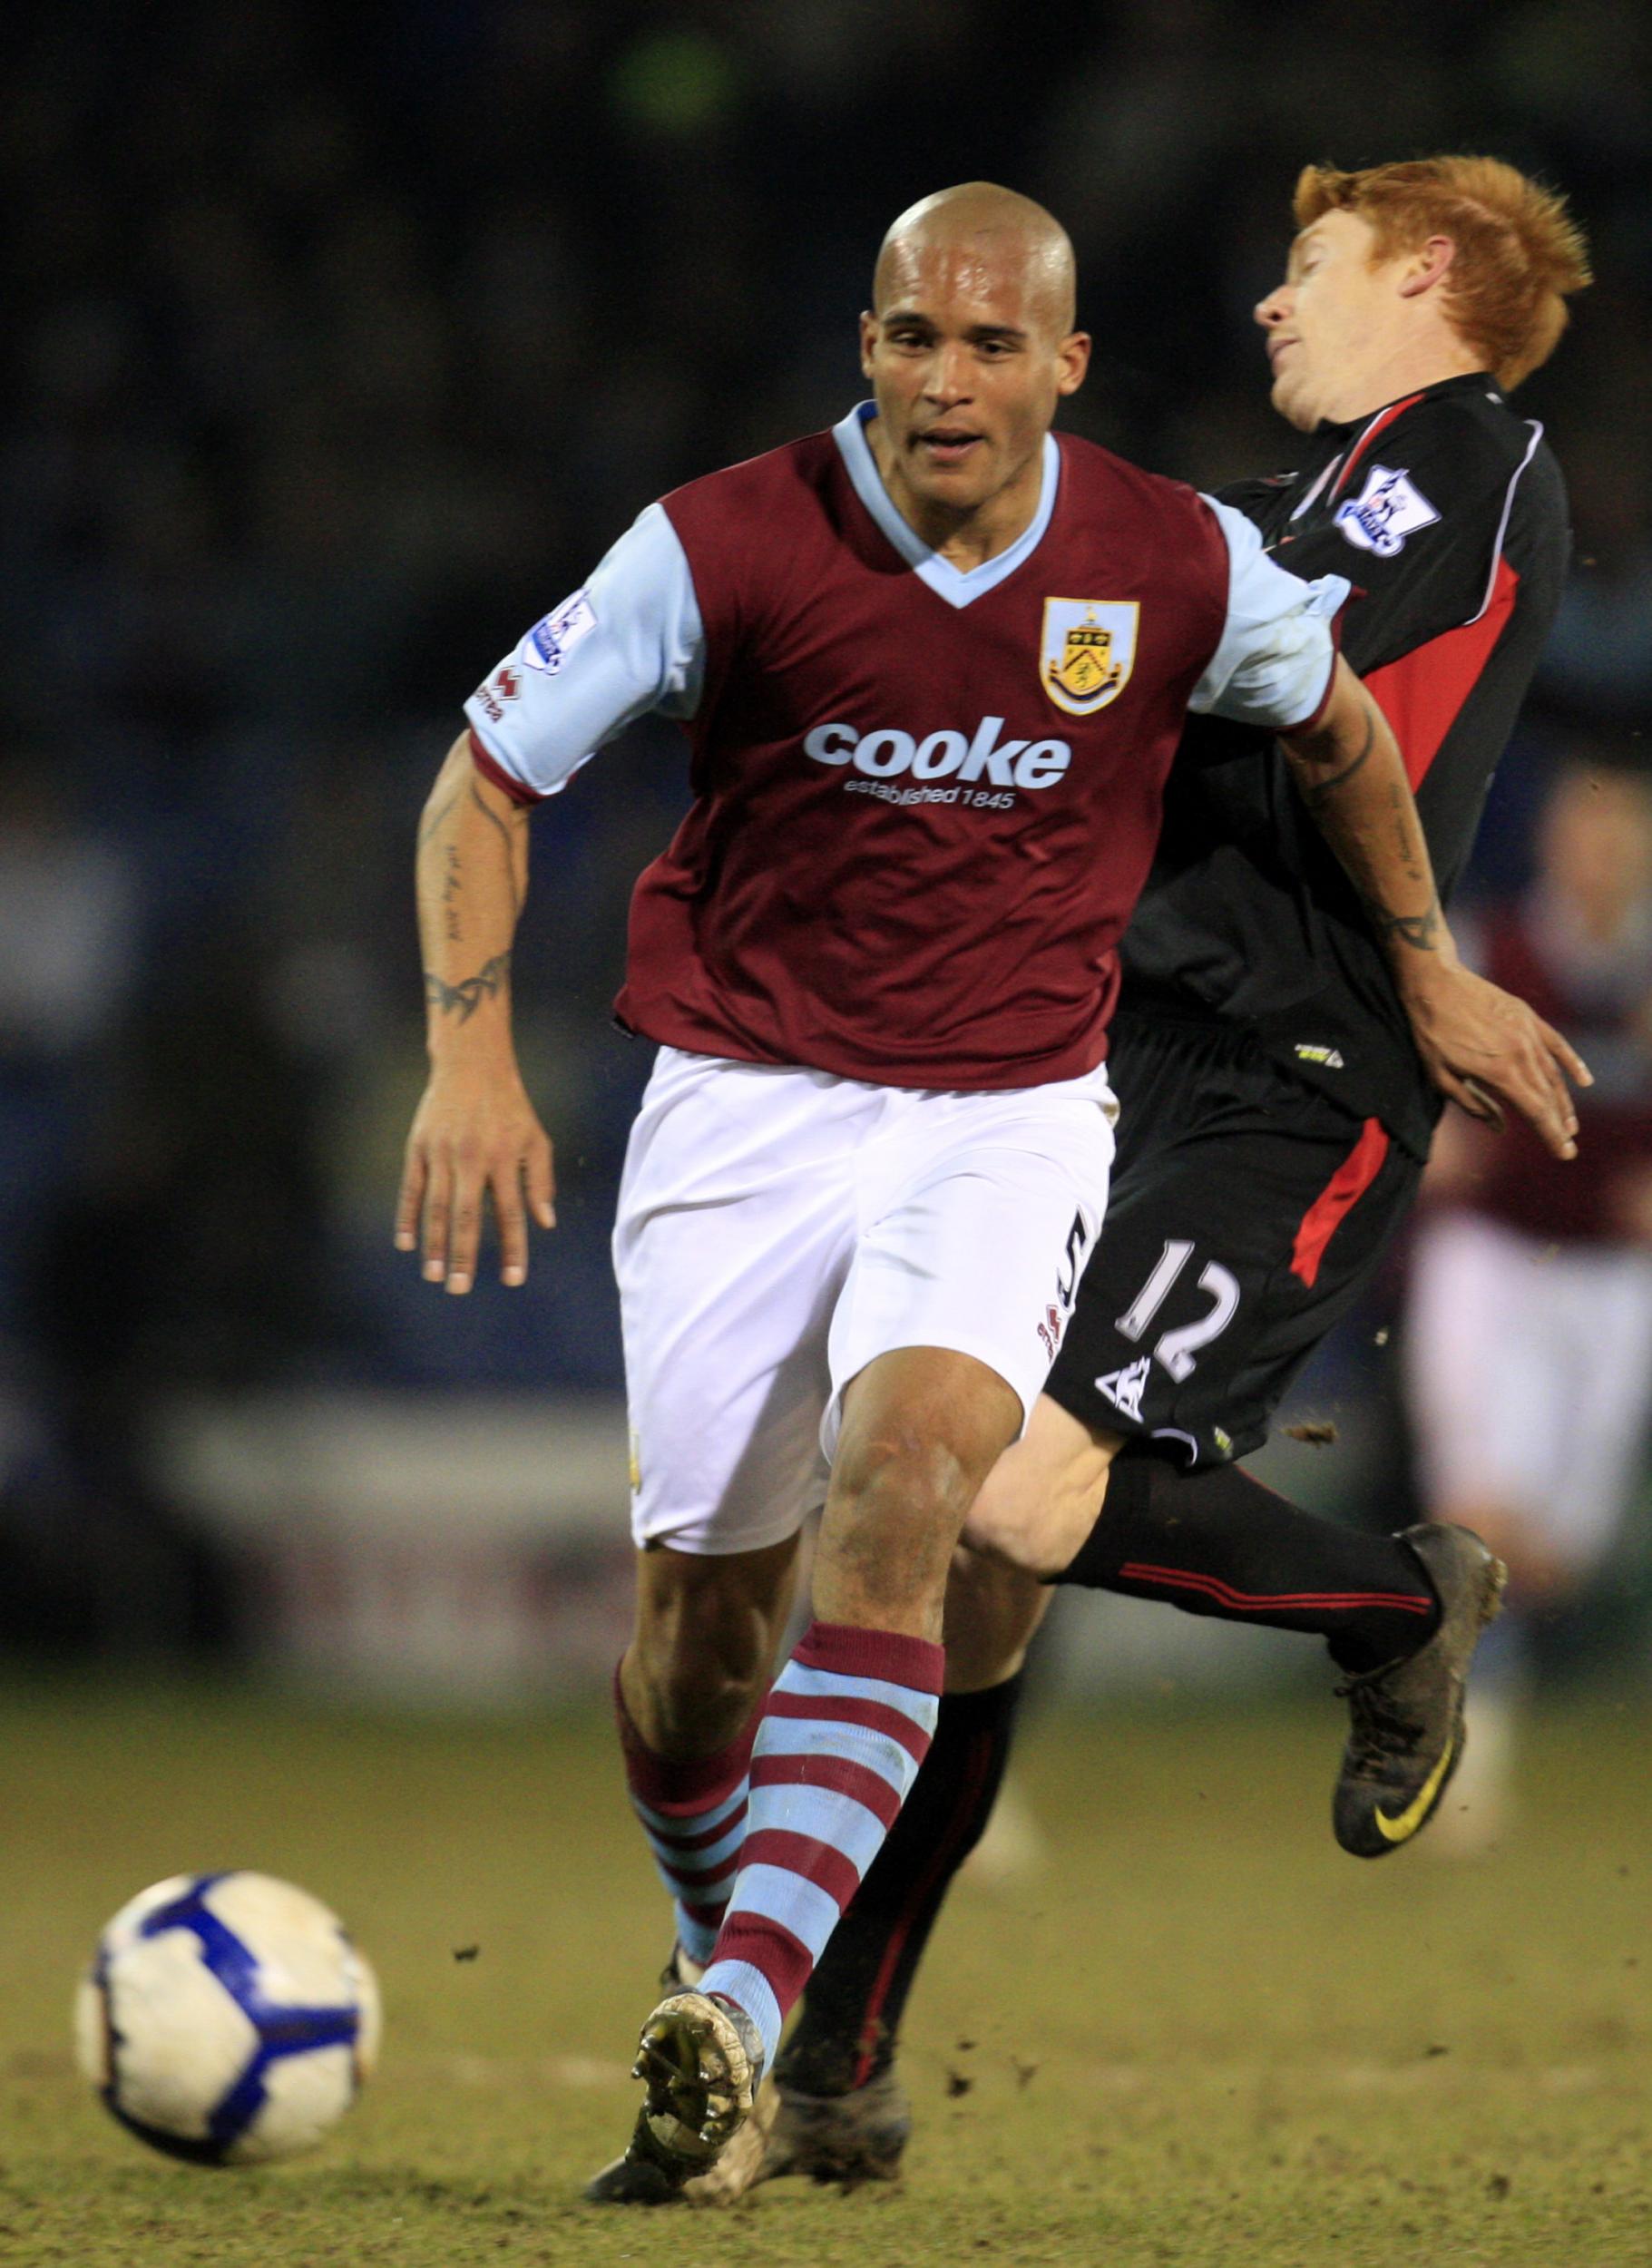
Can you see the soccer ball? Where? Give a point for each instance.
(227, 2018)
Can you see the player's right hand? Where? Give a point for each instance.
(1487, 1049)
(474, 1135)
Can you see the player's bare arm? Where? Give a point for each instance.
(475, 1133)
(1481, 1046)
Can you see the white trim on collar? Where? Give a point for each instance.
(957, 585)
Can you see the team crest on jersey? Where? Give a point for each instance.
(1088, 651)
(1389, 508)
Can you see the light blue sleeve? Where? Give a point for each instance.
(629, 642)
(1276, 653)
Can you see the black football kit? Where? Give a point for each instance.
(1275, 1114)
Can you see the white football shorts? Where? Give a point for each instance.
(778, 1229)
(1529, 1367)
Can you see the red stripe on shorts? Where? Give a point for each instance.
(1344, 1190)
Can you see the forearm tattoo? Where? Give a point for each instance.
(464, 999)
(1314, 795)
(1417, 930)
(1420, 931)
(1348, 837)
(511, 831)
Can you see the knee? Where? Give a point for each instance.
(700, 1658)
(901, 1471)
(1042, 1498)
(892, 1518)
(685, 1701)
(922, 1427)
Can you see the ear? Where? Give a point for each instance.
(868, 340)
(1427, 266)
(1071, 362)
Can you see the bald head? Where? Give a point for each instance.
(968, 344)
(978, 225)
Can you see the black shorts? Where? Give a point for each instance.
(1246, 1215)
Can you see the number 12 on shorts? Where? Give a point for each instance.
(1178, 1350)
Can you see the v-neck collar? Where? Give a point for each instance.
(958, 586)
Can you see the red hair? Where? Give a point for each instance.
(1519, 252)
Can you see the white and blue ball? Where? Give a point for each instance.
(227, 2018)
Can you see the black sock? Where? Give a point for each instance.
(846, 2029)
(1217, 1542)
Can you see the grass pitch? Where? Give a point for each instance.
(1204, 2036)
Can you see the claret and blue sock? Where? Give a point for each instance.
(838, 1746)
(694, 1816)
(849, 2025)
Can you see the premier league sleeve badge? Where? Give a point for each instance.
(1389, 508)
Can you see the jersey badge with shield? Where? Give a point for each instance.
(1088, 651)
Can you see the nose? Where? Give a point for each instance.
(1272, 311)
(947, 378)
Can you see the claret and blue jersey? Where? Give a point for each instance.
(925, 798)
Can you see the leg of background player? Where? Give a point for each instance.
(846, 2031)
(1403, 1615)
(1218, 1542)
(1212, 1541)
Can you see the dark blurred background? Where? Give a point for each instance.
(339, 343)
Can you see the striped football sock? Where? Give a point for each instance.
(838, 1747)
(847, 2028)
(694, 1817)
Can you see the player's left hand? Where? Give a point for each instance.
(1486, 1049)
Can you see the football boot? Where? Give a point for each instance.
(1407, 1733)
(701, 2059)
(843, 2140)
(636, 2180)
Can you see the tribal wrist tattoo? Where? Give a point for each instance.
(1420, 931)
(464, 999)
